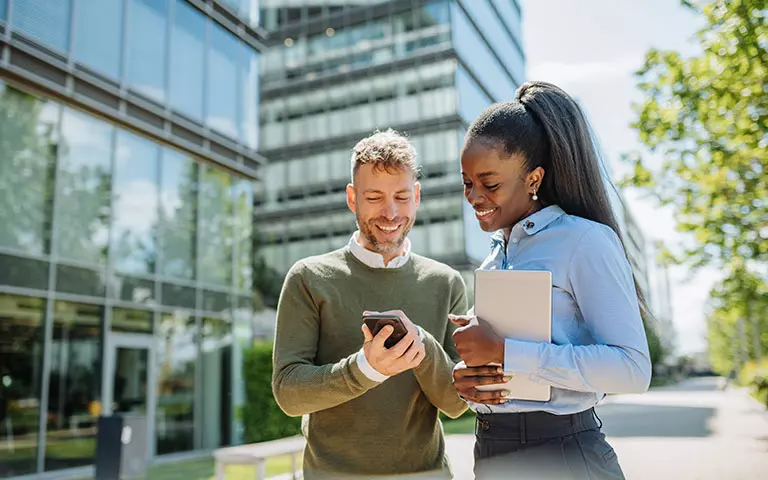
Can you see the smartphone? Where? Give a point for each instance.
(377, 321)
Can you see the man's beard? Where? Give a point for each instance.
(367, 231)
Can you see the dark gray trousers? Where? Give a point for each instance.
(540, 445)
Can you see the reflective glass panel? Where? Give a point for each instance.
(178, 202)
(135, 204)
(83, 203)
(45, 20)
(176, 358)
(21, 366)
(28, 145)
(187, 59)
(74, 395)
(147, 21)
(98, 35)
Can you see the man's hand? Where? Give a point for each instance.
(476, 342)
(404, 355)
(465, 379)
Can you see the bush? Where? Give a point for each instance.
(262, 418)
(755, 376)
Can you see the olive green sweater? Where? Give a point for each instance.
(356, 427)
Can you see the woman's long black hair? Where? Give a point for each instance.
(549, 130)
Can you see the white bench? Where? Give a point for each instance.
(256, 454)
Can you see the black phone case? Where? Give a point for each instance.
(376, 324)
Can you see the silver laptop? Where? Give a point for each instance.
(518, 305)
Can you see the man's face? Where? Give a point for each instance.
(384, 203)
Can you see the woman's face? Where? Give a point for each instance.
(498, 188)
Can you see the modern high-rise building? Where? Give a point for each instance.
(128, 151)
(343, 69)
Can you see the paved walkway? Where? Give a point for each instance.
(689, 431)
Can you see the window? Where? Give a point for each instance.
(21, 364)
(131, 321)
(472, 100)
(146, 53)
(187, 68)
(135, 205)
(3, 13)
(178, 215)
(243, 220)
(28, 135)
(74, 388)
(493, 30)
(82, 206)
(249, 101)
(478, 56)
(511, 17)
(216, 236)
(45, 21)
(98, 35)
(222, 95)
(216, 363)
(176, 355)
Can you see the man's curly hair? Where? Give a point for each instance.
(389, 151)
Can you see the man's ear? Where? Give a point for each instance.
(351, 196)
(417, 193)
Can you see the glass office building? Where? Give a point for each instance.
(128, 138)
(341, 70)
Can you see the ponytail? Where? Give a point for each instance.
(548, 129)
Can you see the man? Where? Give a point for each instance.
(371, 411)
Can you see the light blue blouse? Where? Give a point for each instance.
(598, 341)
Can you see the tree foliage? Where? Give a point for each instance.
(742, 296)
(706, 116)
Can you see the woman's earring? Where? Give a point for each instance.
(534, 197)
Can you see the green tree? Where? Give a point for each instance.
(738, 321)
(707, 117)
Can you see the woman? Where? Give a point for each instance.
(532, 175)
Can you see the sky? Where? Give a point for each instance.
(591, 48)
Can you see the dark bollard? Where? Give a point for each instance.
(121, 447)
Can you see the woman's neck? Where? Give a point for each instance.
(535, 207)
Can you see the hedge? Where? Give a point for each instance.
(755, 376)
(262, 418)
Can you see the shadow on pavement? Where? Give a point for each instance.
(639, 420)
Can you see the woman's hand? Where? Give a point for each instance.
(476, 342)
(465, 379)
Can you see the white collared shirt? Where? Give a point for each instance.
(376, 260)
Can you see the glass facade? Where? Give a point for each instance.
(187, 59)
(350, 47)
(480, 57)
(427, 69)
(45, 21)
(495, 31)
(98, 42)
(417, 94)
(74, 385)
(165, 50)
(126, 236)
(22, 326)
